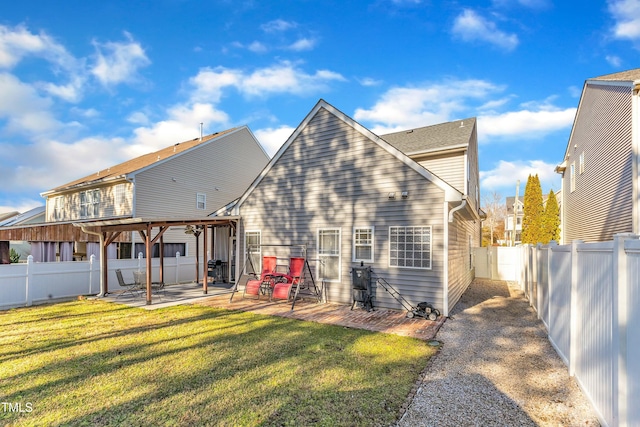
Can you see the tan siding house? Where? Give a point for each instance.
(600, 166)
(334, 181)
(190, 179)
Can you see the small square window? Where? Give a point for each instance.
(581, 167)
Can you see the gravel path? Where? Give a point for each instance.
(496, 368)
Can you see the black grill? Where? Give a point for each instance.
(361, 291)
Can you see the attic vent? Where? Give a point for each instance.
(410, 131)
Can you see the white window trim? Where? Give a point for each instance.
(572, 177)
(257, 268)
(373, 241)
(204, 201)
(339, 229)
(581, 165)
(430, 247)
(58, 208)
(90, 203)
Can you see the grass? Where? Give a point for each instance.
(99, 364)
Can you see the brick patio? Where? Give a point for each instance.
(379, 320)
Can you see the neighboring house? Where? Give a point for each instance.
(600, 165)
(22, 248)
(188, 180)
(515, 213)
(354, 198)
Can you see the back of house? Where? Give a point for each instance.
(351, 198)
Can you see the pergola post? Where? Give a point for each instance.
(149, 252)
(205, 275)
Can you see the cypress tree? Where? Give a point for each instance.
(551, 219)
(532, 229)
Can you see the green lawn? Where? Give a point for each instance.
(95, 363)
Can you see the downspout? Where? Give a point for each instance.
(446, 251)
(457, 208)
(103, 290)
(445, 279)
(132, 180)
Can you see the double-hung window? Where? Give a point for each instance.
(201, 201)
(363, 244)
(90, 204)
(572, 176)
(58, 208)
(410, 247)
(329, 254)
(252, 240)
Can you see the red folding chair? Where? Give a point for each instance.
(282, 289)
(265, 282)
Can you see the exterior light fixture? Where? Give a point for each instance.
(392, 195)
(405, 194)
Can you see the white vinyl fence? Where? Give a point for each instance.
(588, 297)
(32, 282)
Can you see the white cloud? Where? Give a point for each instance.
(524, 124)
(369, 81)
(614, 60)
(278, 25)
(504, 176)
(272, 139)
(257, 47)
(280, 78)
(302, 44)
(118, 62)
(410, 107)
(470, 26)
(182, 124)
(18, 42)
(25, 110)
(22, 205)
(626, 13)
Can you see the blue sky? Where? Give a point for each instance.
(88, 84)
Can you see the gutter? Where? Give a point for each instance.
(103, 291)
(462, 205)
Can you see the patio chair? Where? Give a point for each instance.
(283, 288)
(265, 282)
(131, 288)
(140, 279)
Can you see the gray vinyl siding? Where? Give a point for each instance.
(332, 176)
(448, 167)
(463, 235)
(602, 203)
(222, 169)
(111, 204)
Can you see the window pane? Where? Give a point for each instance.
(410, 247)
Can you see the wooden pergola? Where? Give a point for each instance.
(109, 230)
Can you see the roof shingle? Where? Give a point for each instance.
(432, 138)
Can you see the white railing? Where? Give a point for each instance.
(32, 282)
(588, 297)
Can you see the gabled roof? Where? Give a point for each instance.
(441, 137)
(23, 218)
(451, 194)
(138, 163)
(622, 76)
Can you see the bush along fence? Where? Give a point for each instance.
(588, 297)
(29, 283)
